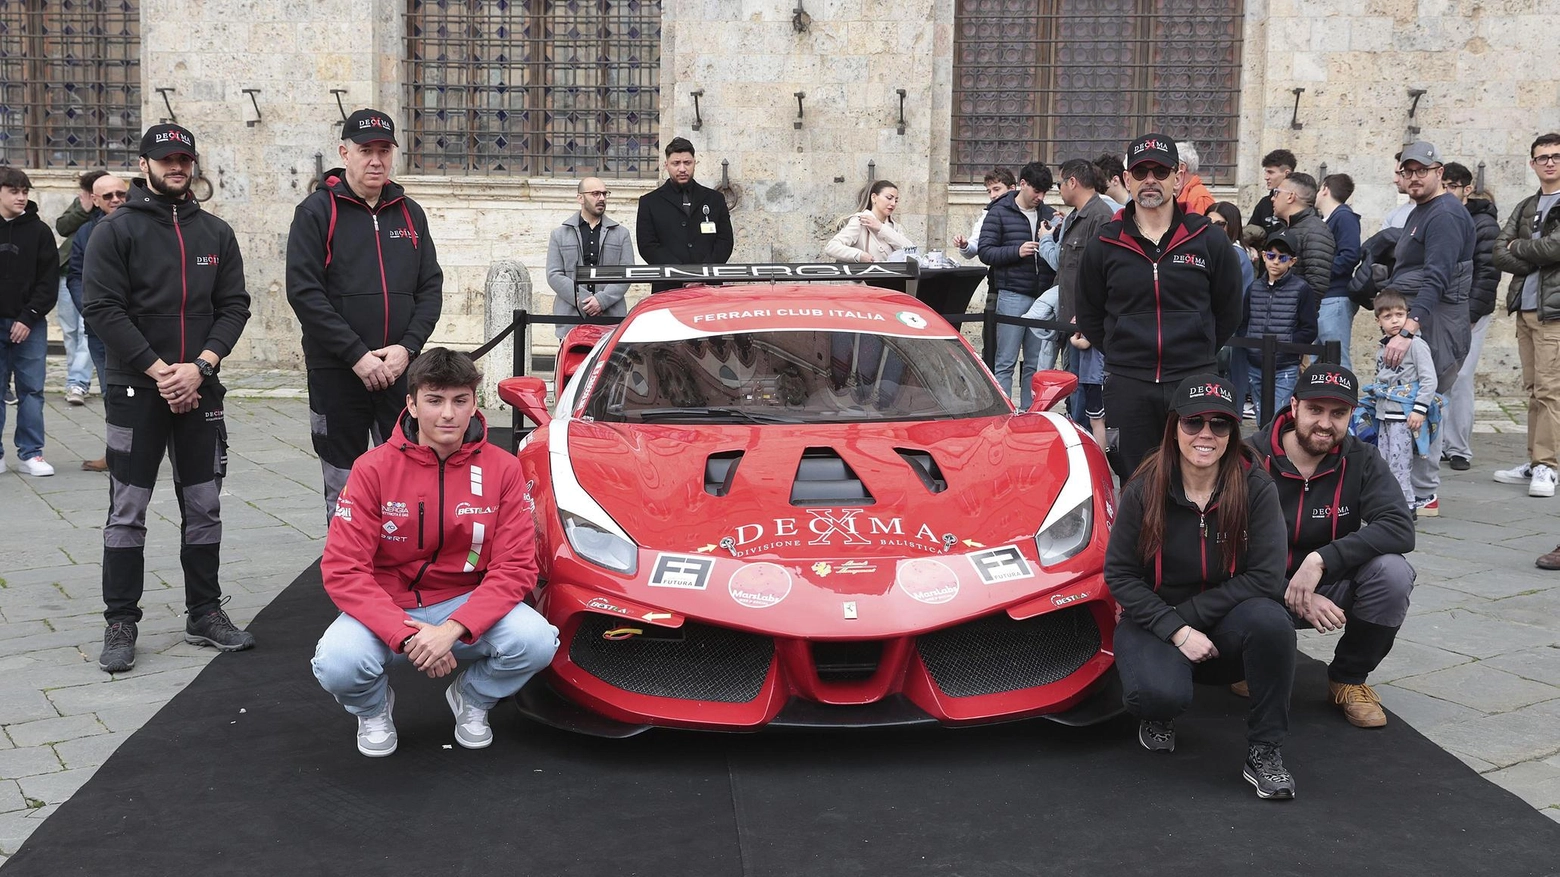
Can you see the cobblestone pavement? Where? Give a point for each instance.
(1477, 667)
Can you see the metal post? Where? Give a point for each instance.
(1333, 351)
(988, 341)
(517, 367)
(1269, 369)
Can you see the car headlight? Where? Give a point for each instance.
(1067, 535)
(598, 545)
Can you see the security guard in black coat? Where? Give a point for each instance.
(682, 222)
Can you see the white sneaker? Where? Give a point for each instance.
(37, 467)
(2, 464)
(471, 723)
(376, 735)
(1515, 475)
(1543, 483)
(76, 396)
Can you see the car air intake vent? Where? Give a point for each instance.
(719, 469)
(822, 477)
(925, 468)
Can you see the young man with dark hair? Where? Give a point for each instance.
(1294, 202)
(1112, 180)
(1458, 421)
(1010, 244)
(998, 182)
(363, 277)
(1335, 316)
(1276, 167)
(1159, 293)
(431, 554)
(682, 222)
(163, 286)
(1528, 248)
(29, 287)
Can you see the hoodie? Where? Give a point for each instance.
(1350, 510)
(413, 530)
(29, 267)
(361, 278)
(163, 279)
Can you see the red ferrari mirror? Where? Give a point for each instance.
(527, 393)
(1051, 386)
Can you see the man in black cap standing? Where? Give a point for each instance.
(163, 287)
(1348, 528)
(682, 222)
(364, 279)
(1158, 294)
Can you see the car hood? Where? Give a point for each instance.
(902, 489)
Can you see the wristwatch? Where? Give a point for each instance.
(1404, 333)
(205, 367)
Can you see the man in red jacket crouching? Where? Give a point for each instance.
(430, 555)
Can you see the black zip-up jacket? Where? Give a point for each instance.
(1005, 230)
(1486, 277)
(29, 267)
(163, 279)
(667, 236)
(361, 278)
(1349, 511)
(1188, 582)
(1159, 319)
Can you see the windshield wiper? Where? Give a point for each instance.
(720, 412)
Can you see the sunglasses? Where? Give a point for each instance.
(1221, 426)
(1280, 258)
(1159, 171)
(113, 196)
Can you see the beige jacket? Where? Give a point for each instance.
(854, 239)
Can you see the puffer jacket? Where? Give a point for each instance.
(1519, 255)
(1286, 309)
(1486, 277)
(1006, 230)
(1316, 246)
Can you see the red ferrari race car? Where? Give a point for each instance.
(809, 504)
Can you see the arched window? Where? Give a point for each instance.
(1060, 79)
(533, 87)
(70, 83)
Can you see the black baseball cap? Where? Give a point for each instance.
(1206, 394)
(161, 141)
(368, 126)
(1281, 236)
(1158, 148)
(1326, 380)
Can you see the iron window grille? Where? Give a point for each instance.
(70, 83)
(533, 87)
(1060, 79)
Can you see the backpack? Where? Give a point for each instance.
(1377, 259)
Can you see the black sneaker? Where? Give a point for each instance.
(1461, 464)
(1157, 736)
(216, 630)
(1265, 770)
(118, 647)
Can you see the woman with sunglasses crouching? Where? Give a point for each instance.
(1196, 560)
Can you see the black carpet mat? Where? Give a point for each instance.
(252, 770)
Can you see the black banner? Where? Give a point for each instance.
(799, 272)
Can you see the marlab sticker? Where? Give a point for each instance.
(760, 585)
(1000, 565)
(681, 571)
(929, 581)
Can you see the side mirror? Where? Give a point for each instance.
(529, 394)
(1049, 387)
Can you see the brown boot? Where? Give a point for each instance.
(1240, 689)
(1360, 704)
(98, 465)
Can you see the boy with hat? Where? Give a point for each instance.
(163, 287)
(1280, 303)
(1347, 526)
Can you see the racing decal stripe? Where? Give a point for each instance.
(568, 492)
(1077, 489)
(478, 532)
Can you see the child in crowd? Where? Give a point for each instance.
(1091, 387)
(1278, 303)
(1404, 392)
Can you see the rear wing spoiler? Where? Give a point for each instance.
(773, 272)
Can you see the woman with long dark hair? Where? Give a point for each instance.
(1196, 560)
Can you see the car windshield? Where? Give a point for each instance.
(800, 376)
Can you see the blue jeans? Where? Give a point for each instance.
(1013, 340)
(1335, 322)
(78, 362)
(350, 660)
(1246, 375)
(25, 362)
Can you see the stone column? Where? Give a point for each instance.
(508, 287)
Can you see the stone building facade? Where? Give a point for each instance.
(1484, 99)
